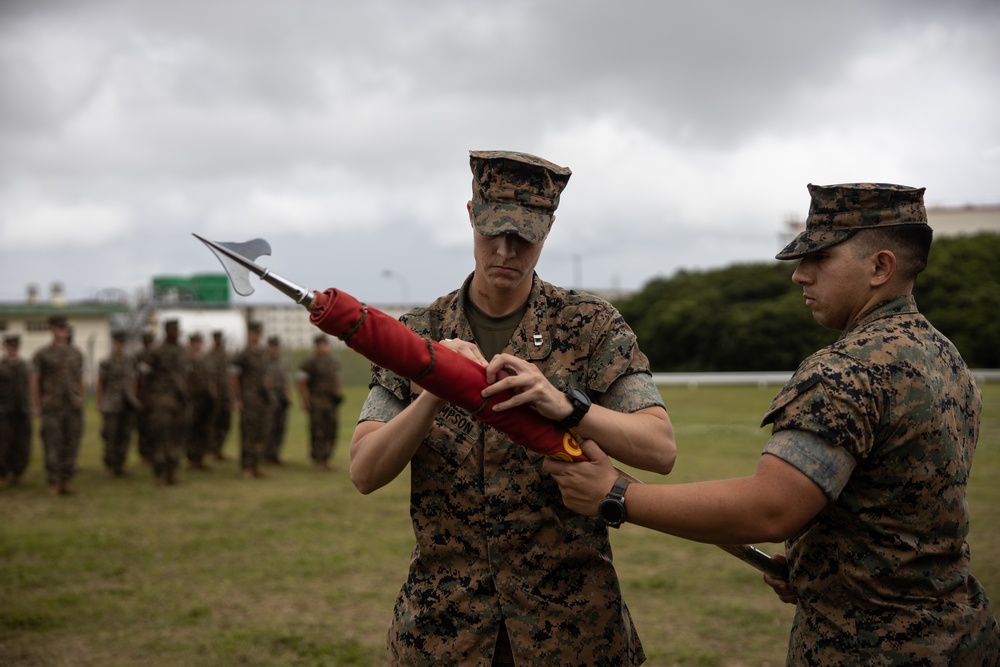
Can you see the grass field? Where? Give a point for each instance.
(300, 569)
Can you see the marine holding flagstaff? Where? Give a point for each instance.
(534, 580)
(502, 571)
(865, 473)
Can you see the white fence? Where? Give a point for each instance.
(765, 379)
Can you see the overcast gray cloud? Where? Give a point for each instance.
(339, 131)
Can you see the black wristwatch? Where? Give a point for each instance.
(612, 508)
(581, 404)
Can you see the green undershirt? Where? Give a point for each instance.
(492, 333)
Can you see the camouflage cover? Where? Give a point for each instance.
(515, 193)
(837, 211)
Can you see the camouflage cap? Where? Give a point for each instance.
(12, 340)
(838, 211)
(58, 321)
(255, 326)
(196, 338)
(515, 193)
(119, 335)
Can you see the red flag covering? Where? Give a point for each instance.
(387, 342)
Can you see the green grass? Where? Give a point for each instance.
(300, 569)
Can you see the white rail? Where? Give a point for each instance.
(764, 379)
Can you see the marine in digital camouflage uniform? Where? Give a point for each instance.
(116, 399)
(168, 399)
(502, 572)
(15, 412)
(222, 415)
(202, 401)
(321, 393)
(58, 395)
(866, 470)
(142, 417)
(253, 395)
(282, 398)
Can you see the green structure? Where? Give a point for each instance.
(201, 288)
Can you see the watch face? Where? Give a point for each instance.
(612, 511)
(579, 397)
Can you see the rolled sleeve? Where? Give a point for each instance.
(632, 392)
(827, 465)
(381, 405)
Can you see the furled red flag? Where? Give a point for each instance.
(387, 342)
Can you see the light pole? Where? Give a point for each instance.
(404, 288)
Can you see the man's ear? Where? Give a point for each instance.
(883, 268)
(468, 207)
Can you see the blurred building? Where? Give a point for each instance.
(946, 221)
(200, 303)
(89, 322)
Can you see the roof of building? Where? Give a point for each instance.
(24, 309)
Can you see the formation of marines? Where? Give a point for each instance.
(174, 399)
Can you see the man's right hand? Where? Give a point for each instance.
(782, 587)
(462, 347)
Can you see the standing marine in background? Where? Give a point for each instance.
(282, 389)
(167, 400)
(115, 395)
(57, 392)
(141, 362)
(15, 412)
(202, 392)
(253, 397)
(320, 389)
(222, 415)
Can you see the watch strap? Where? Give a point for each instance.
(615, 499)
(580, 409)
(618, 490)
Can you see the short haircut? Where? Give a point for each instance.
(911, 244)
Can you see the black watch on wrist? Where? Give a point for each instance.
(612, 508)
(581, 404)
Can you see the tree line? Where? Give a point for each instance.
(751, 317)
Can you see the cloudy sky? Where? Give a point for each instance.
(340, 131)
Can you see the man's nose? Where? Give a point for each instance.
(800, 276)
(507, 246)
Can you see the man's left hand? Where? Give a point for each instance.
(530, 387)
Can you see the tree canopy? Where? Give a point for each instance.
(750, 317)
